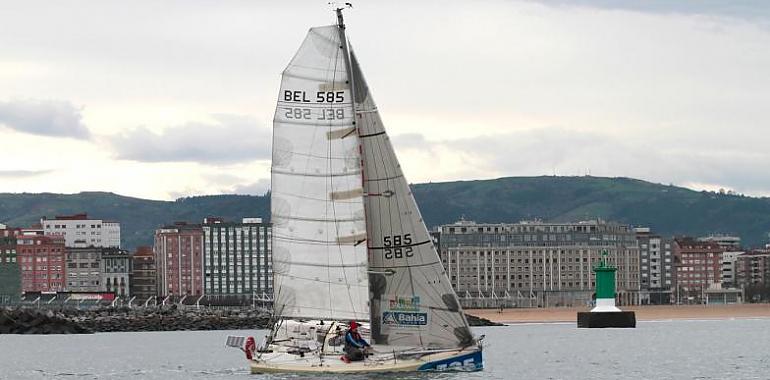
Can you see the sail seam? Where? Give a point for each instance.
(278, 216)
(402, 246)
(308, 264)
(314, 124)
(404, 266)
(312, 241)
(316, 174)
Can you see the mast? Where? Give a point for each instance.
(346, 53)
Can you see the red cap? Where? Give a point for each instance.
(353, 325)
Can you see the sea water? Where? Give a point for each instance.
(724, 349)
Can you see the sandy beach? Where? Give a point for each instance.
(643, 313)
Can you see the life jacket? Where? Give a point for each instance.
(250, 347)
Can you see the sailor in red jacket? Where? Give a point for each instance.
(355, 345)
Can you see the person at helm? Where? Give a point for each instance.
(355, 345)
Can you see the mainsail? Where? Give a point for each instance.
(413, 303)
(319, 232)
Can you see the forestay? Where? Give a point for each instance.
(413, 303)
(319, 233)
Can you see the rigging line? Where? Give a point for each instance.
(385, 178)
(344, 44)
(328, 184)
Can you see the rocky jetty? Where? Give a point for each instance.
(73, 321)
(24, 321)
(114, 320)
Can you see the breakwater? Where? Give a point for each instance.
(73, 321)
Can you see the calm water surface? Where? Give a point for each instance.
(730, 349)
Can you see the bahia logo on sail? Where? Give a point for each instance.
(404, 312)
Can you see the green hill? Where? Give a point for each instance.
(669, 210)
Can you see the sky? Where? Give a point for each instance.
(168, 99)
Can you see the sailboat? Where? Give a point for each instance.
(348, 241)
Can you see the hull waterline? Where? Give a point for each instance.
(460, 360)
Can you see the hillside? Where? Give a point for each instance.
(669, 210)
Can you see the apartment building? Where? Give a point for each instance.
(237, 257)
(144, 274)
(535, 263)
(81, 231)
(178, 253)
(656, 267)
(42, 263)
(10, 272)
(698, 268)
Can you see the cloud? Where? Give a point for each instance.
(560, 151)
(229, 139)
(22, 173)
(744, 9)
(44, 117)
(259, 187)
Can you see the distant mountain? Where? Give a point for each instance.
(669, 210)
(138, 217)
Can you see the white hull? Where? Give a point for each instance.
(468, 359)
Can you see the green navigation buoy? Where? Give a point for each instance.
(605, 313)
(605, 286)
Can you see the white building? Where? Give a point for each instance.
(728, 242)
(728, 268)
(80, 231)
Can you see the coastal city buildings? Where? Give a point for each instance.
(179, 259)
(729, 258)
(699, 267)
(143, 280)
(10, 272)
(84, 269)
(42, 263)
(115, 270)
(727, 242)
(656, 267)
(237, 257)
(753, 268)
(532, 264)
(80, 231)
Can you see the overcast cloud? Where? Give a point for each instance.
(665, 91)
(230, 139)
(22, 173)
(43, 117)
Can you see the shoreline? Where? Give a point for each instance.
(643, 313)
